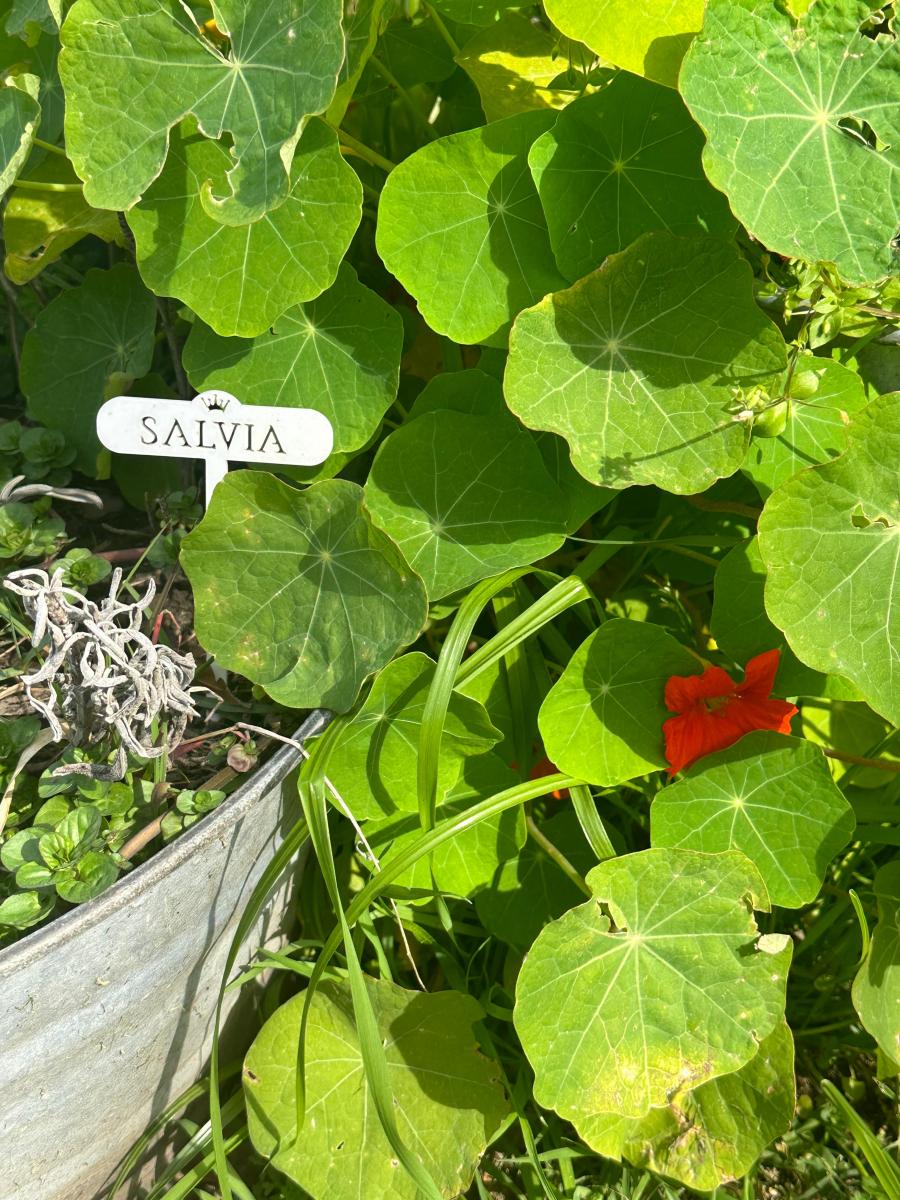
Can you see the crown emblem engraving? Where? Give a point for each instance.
(216, 402)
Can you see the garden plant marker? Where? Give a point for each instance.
(216, 427)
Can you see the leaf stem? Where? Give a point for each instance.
(35, 185)
(42, 145)
(364, 152)
(880, 764)
(442, 29)
(557, 855)
(393, 82)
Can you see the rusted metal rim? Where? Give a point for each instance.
(148, 874)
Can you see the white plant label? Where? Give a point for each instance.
(216, 427)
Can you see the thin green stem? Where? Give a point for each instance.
(393, 82)
(442, 30)
(880, 764)
(557, 855)
(42, 145)
(34, 185)
(364, 152)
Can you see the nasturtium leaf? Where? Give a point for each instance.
(815, 429)
(448, 1101)
(514, 64)
(476, 12)
(339, 353)
(647, 37)
(363, 22)
(297, 590)
(28, 19)
(132, 69)
(830, 539)
(802, 123)
(656, 985)
(470, 861)
(20, 115)
(464, 497)
(620, 163)
(602, 719)
(416, 52)
(715, 1133)
(90, 342)
(771, 797)
(530, 889)
(461, 226)
(742, 629)
(39, 226)
(373, 761)
(639, 364)
(876, 988)
(241, 279)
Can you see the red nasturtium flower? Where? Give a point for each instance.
(714, 712)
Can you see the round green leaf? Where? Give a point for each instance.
(448, 1102)
(638, 365)
(654, 986)
(816, 427)
(464, 497)
(830, 539)
(742, 630)
(339, 353)
(623, 162)
(22, 910)
(602, 719)
(297, 590)
(374, 758)
(771, 797)
(716, 1132)
(802, 123)
(132, 69)
(461, 226)
(647, 37)
(876, 988)
(241, 279)
(88, 343)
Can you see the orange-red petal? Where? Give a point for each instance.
(683, 691)
(759, 675)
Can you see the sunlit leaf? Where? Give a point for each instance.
(20, 115)
(716, 1132)
(88, 343)
(659, 983)
(447, 1097)
(297, 590)
(876, 989)
(464, 497)
(133, 69)
(771, 797)
(602, 720)
(461, 226)
(241, 279)
(373, 761)
(830, 539)
(638, 365)
(618, 164)
(802, 125)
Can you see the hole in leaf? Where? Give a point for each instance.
(861, 131)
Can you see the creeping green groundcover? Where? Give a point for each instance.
(600, 578)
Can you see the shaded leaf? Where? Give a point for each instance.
(133, 69)
(448, 1101)
(638, 364)
(241, 279)
(876, 988)
(657, 984)
(771, 797)
(788, 107)
(20, 115)
(461, 226)
(716, 1132)
(373, 760)
(89, 343)
(602, 719)
(297, 590)
(623, 162)
(339, 353)
(830, 539)
(28, 19)
(648, 37)
(363, 22)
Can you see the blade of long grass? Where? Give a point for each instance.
(883, 1166)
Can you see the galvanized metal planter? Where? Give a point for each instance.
(106, 1015)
